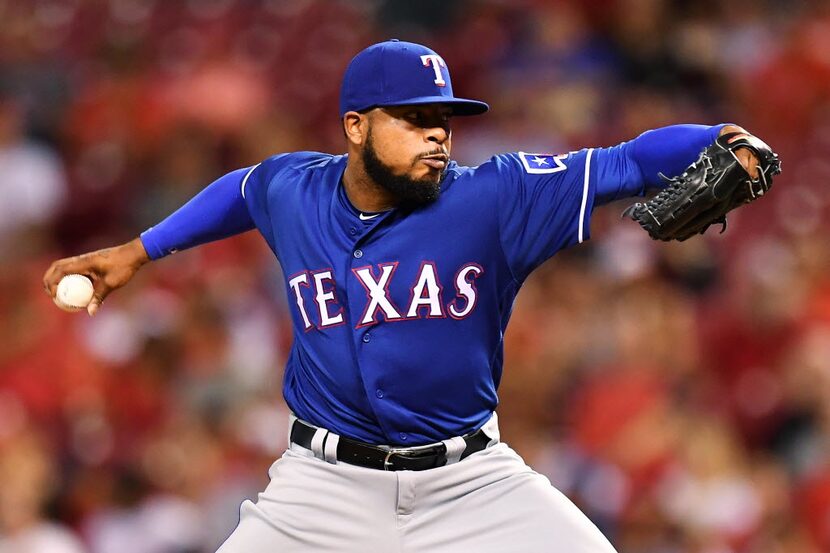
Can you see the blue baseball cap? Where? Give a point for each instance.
(398, 73)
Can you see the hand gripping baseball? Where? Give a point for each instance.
(736, 169)
(109, 269)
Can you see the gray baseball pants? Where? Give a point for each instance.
(489, 502)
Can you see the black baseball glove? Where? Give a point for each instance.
(707, 190)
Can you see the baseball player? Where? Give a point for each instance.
(401, 268)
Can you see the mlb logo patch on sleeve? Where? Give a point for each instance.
(542, 163)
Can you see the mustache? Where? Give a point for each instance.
(439, 152)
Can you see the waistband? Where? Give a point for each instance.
(333, 448)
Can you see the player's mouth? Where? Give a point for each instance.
(436, 161)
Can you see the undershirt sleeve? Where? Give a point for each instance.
(633, 167)
(217, 212)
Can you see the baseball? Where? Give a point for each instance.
(74, 293)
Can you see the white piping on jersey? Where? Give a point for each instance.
(248, 174)
(585, 192)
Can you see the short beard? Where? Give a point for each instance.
(410, 193)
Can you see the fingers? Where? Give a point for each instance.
(60, 269)
(94, 305)
(752, 167)
(87, 265)
(738, 137)
(744, 155)
(101, 291)
(75, 265)
(749, 161)
(51, 278)
(108, 269)
(732, 128)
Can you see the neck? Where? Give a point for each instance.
(363, 192)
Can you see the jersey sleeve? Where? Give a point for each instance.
(255, 188)
(544, 205)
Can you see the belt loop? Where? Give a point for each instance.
(330, 448)
(491, 429)
(292, 418)
(455, 447)
(317, 442)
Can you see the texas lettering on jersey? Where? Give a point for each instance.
(372, 296)
(426, 295)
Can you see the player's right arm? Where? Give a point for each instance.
(218, 211)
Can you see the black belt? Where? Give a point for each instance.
(374, 457)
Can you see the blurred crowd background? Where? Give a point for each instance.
(679, 393)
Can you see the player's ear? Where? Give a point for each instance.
(355, 127)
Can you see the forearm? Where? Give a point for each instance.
(632, 167)
(216, 212)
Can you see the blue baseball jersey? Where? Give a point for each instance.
(399, 318)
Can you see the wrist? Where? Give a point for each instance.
(135, 253)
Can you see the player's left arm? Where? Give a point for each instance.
(545, 202)
(633, 167)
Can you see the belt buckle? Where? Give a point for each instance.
(386, 463)
(410, 452)
(395, 451)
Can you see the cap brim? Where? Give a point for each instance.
(460, 106)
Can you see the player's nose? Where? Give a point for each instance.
(437, 135)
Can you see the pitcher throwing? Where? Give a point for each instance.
(401, 268)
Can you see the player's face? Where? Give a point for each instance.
(407, 150)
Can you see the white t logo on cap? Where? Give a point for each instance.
(437, 64)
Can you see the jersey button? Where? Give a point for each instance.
(367, 338)
(379, 394)
(402, 436)
(358, 254)
(352, 231)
